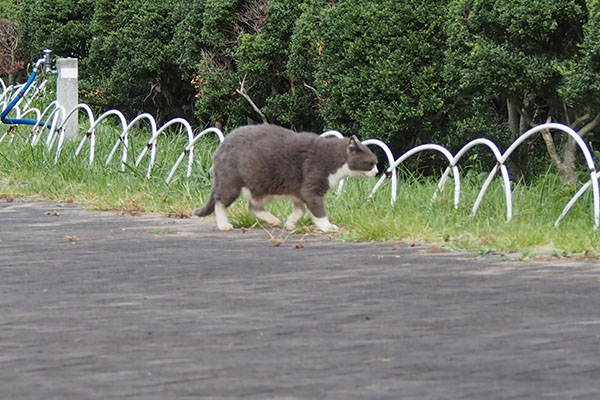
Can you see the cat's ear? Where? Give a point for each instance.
(353, 145)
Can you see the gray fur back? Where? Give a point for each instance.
(270, 160)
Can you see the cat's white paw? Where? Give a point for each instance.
(331, 228)
(225, 227)
(324, 225)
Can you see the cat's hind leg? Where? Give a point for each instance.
(221, 217)
(220, 211)
(259, 212)
(299, 209)
(257, 207)
(224, 197)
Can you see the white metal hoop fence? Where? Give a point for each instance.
(58, 116)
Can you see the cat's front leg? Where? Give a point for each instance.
(314, 203)
(324, 225)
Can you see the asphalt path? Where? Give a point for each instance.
(97, 305)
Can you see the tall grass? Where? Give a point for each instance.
(415, 217)
(31, 171)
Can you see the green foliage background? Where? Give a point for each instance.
(406, 72)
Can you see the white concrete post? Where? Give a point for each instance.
(66, 92)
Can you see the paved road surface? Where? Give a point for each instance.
(95, 305)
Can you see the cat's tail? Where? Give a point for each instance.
(206, 209)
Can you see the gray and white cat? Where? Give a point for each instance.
(267, 162)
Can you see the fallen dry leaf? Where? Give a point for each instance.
(53, 213)
(436, 250)
(275, 241)
(71, 238)
(180, 213)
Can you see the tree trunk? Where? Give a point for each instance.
(566, 165)
(513, 118)
(518, 160)
(567, 174)
(566, 170)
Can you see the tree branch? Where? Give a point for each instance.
(312, 89)
(579, 120)
(590, 126)
(242, 92)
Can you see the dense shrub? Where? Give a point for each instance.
(510, 56)
(366, 68)
(262, 56)
(380, 68)
(225, 42)
(205, 39)
(8, 9)
(405, 72)
(60, 25)
(131, 64)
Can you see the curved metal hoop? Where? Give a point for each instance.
(492, 146)
(588, 159)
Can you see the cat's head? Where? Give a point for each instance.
(361, 161)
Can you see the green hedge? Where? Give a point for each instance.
(443, 71)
